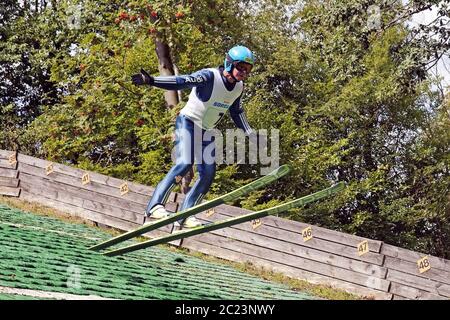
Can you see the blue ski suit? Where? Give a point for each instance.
(211, 97)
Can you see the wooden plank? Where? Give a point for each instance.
(9, 182)
(89, 215)
(289, 271)
(411, 268)
(74, 181)
(394, 297)
(8, 173)
(5, 154)
(419, 283)
(10, 192)
(413, 281)
(294, 239)
(413, 293)
(77, 173)
(85, 194)
(412, 256)
(294, 261)
(179, 197)
(311, 249)
(78, 211)
(295, 226)
(89, 206)
(4, 163)
(444, 290)
(122, 203)
(73, 199)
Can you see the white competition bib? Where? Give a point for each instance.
(208, 114)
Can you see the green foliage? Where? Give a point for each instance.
(24, 74)
(352, 103)
(105, 122)
(368, 121)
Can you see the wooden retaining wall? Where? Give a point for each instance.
(355, 264)
(9, 181)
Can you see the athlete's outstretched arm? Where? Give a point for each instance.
(196, 79)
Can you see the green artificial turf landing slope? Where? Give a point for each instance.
(47, 254)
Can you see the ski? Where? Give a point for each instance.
(229, 222)
(231, 196)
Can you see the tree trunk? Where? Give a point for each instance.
(26, 7)
(166, 68)
(186, 181)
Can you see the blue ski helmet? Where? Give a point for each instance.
(239, 54)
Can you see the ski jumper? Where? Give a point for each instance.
(211, 97)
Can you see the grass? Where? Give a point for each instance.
(317, 290)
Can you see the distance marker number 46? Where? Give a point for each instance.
(307, 234)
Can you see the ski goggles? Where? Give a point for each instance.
(243, 67)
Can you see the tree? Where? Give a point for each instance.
(104, 122)
(24, 76)
(346, 83)
(365, 122)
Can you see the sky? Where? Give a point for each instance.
(443, 66)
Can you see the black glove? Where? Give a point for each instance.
(142, 78)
